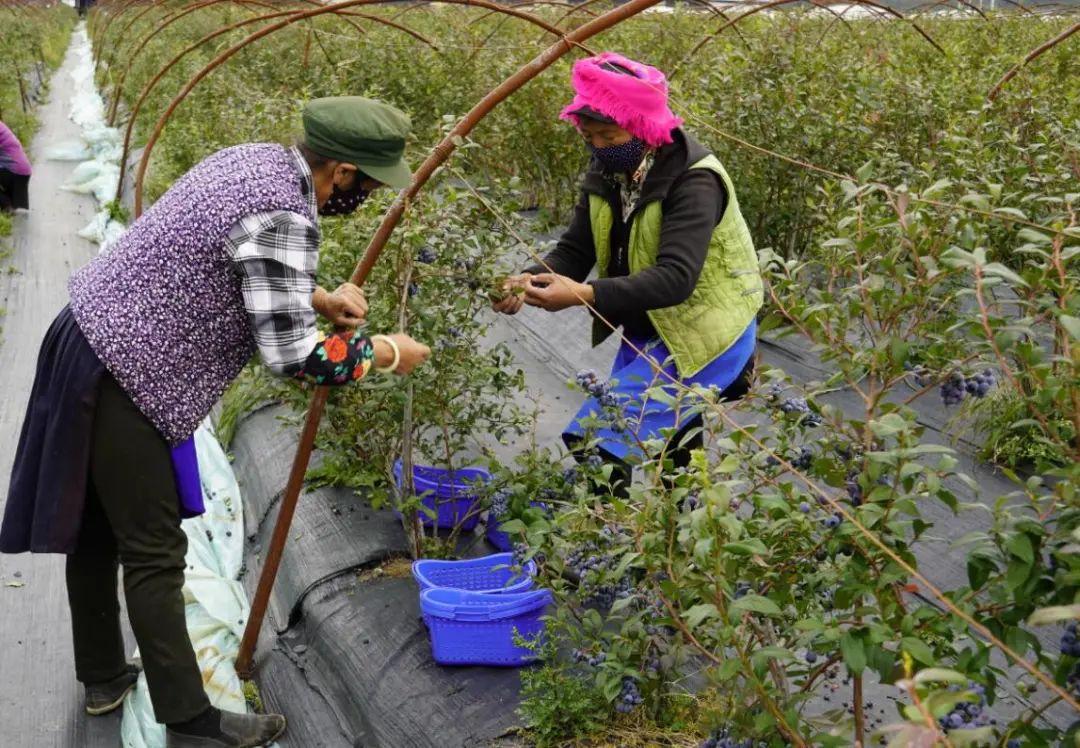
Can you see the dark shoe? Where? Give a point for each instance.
(237, 731)
(102, 698)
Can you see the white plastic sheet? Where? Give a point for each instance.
(99, 149)
(217, 608)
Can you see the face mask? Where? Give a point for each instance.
(342, 202)
(620, 158)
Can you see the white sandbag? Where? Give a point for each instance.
(68, 150)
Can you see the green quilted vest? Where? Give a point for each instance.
(728, 292)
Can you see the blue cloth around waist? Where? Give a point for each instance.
(633, 374)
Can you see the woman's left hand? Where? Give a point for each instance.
(346, 307)
(556, 292)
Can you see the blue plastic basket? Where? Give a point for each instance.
(497, 537)
(475, 574)
(477, 628)
(452, 495)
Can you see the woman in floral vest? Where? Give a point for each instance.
(221, 267)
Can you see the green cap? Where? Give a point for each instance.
(364, 132)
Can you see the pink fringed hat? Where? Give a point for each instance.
(637, 102)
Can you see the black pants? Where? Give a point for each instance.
(132, 518)
(14, 191)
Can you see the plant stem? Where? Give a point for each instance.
(857, 704)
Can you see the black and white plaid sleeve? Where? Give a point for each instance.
(277, 254)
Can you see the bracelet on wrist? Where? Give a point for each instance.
(389, 368)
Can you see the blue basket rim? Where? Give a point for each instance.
(449, 604)
(470, 473)
(524, 580)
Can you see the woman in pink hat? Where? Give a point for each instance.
(675, 264)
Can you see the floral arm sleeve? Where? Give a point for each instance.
(339, 358)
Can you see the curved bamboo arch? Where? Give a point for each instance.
(165, 23)
(108, 16)
(108, 61)
(347, 15)
(1033, 54)
(276, 26)
(163, 71)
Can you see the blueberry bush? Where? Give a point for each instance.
(919, 245)
(32, 43)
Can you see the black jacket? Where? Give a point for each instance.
(693, 202)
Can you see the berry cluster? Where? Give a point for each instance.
(629, 697)
(426, 255)
(804, 459)
(799, 406)
(741, 588)
(500, 502)
(958, 386)
(1069, 644)
(692, 501)
(795, 405)
(833, 522)
(592, 660)
(721, 737)
(589, 381)
(968, 715)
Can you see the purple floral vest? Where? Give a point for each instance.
(162, 308)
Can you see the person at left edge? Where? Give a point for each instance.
(158, 325)
(14, 172)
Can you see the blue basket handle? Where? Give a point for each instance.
(481, 613)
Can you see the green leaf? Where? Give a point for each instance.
(699, 613)
(513, 527)
(999, 270)
(918, 649)
(854, 651)
(939, 675)
(756, 604)
(972, 738)
(888, 425)
(979, 569)
(763, 656)
(747, 548)
(1020, 546)
(1032, 236)
(728, 669)
(1054, 614)
(1071, 325)
(942, 702)
(1017, 573)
